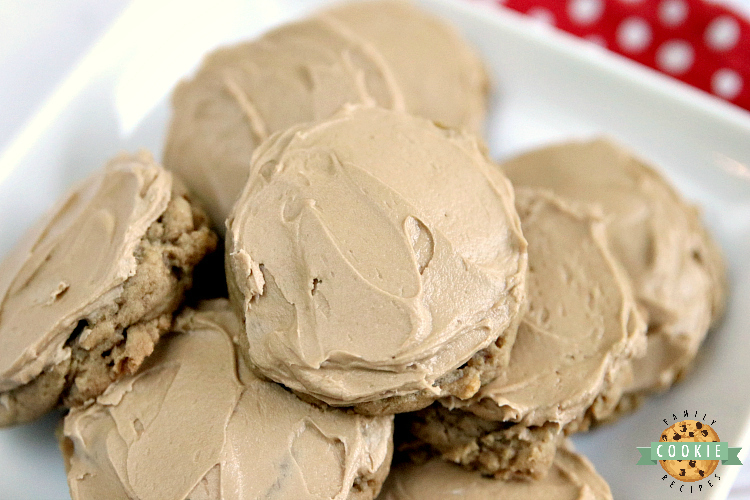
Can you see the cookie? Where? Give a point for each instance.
(383, 53)
(689, 431)
(571, 477)
(377, 260)
(194, 423)
(89, 290)
(571, 356)
(504, 450)
(675, 267)
(441, 77)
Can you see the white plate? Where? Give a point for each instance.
(549, 87)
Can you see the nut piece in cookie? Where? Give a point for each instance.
(676, 269)
(571, 477)
(385, 53)
(193, 423)
(377, 260)
(689, 431)
(90, 288)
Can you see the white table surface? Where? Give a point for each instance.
(41, 41)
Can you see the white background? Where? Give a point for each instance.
(42, 40)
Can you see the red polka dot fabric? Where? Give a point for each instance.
(703, 44)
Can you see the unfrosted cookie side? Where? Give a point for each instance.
(120, 341)
(504, 450)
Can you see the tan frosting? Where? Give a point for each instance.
(441, 77)
(371, 254)
(572, 477)
(73, 262)
(306, 71)
(188, 425)
(676, 269)
(582, 324)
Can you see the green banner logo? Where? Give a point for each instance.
(689, 451)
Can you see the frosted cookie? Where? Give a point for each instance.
(89, 289)
(193, 423)
(377, 260)
(572, 477)
(689, 431)
(387, 53)
(676, 268)
(439, 74)
(572, 351)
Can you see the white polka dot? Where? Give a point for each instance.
(673, 12)
(726, 83)
(634, 34)
(544, 16)
(675, 56)
(722, 33)
(585, 11)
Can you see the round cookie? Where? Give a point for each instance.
(571, 477)
(676, 268)
(383, 53)
(194, 423)
(571, 355)
(690, 431)
(90, 288)
(377, 260)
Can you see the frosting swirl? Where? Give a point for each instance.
(72, 264)
(194, 423)
(371, 254)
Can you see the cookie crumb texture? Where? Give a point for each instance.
(116, 343)
(504, 450)
(116, 338)
(461, 383)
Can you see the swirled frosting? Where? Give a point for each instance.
(72, 264)
(385, 53)
(193, 423)
(582, 326)
(675, 267)
(371, 254)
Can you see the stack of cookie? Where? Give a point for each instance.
(377, 263)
